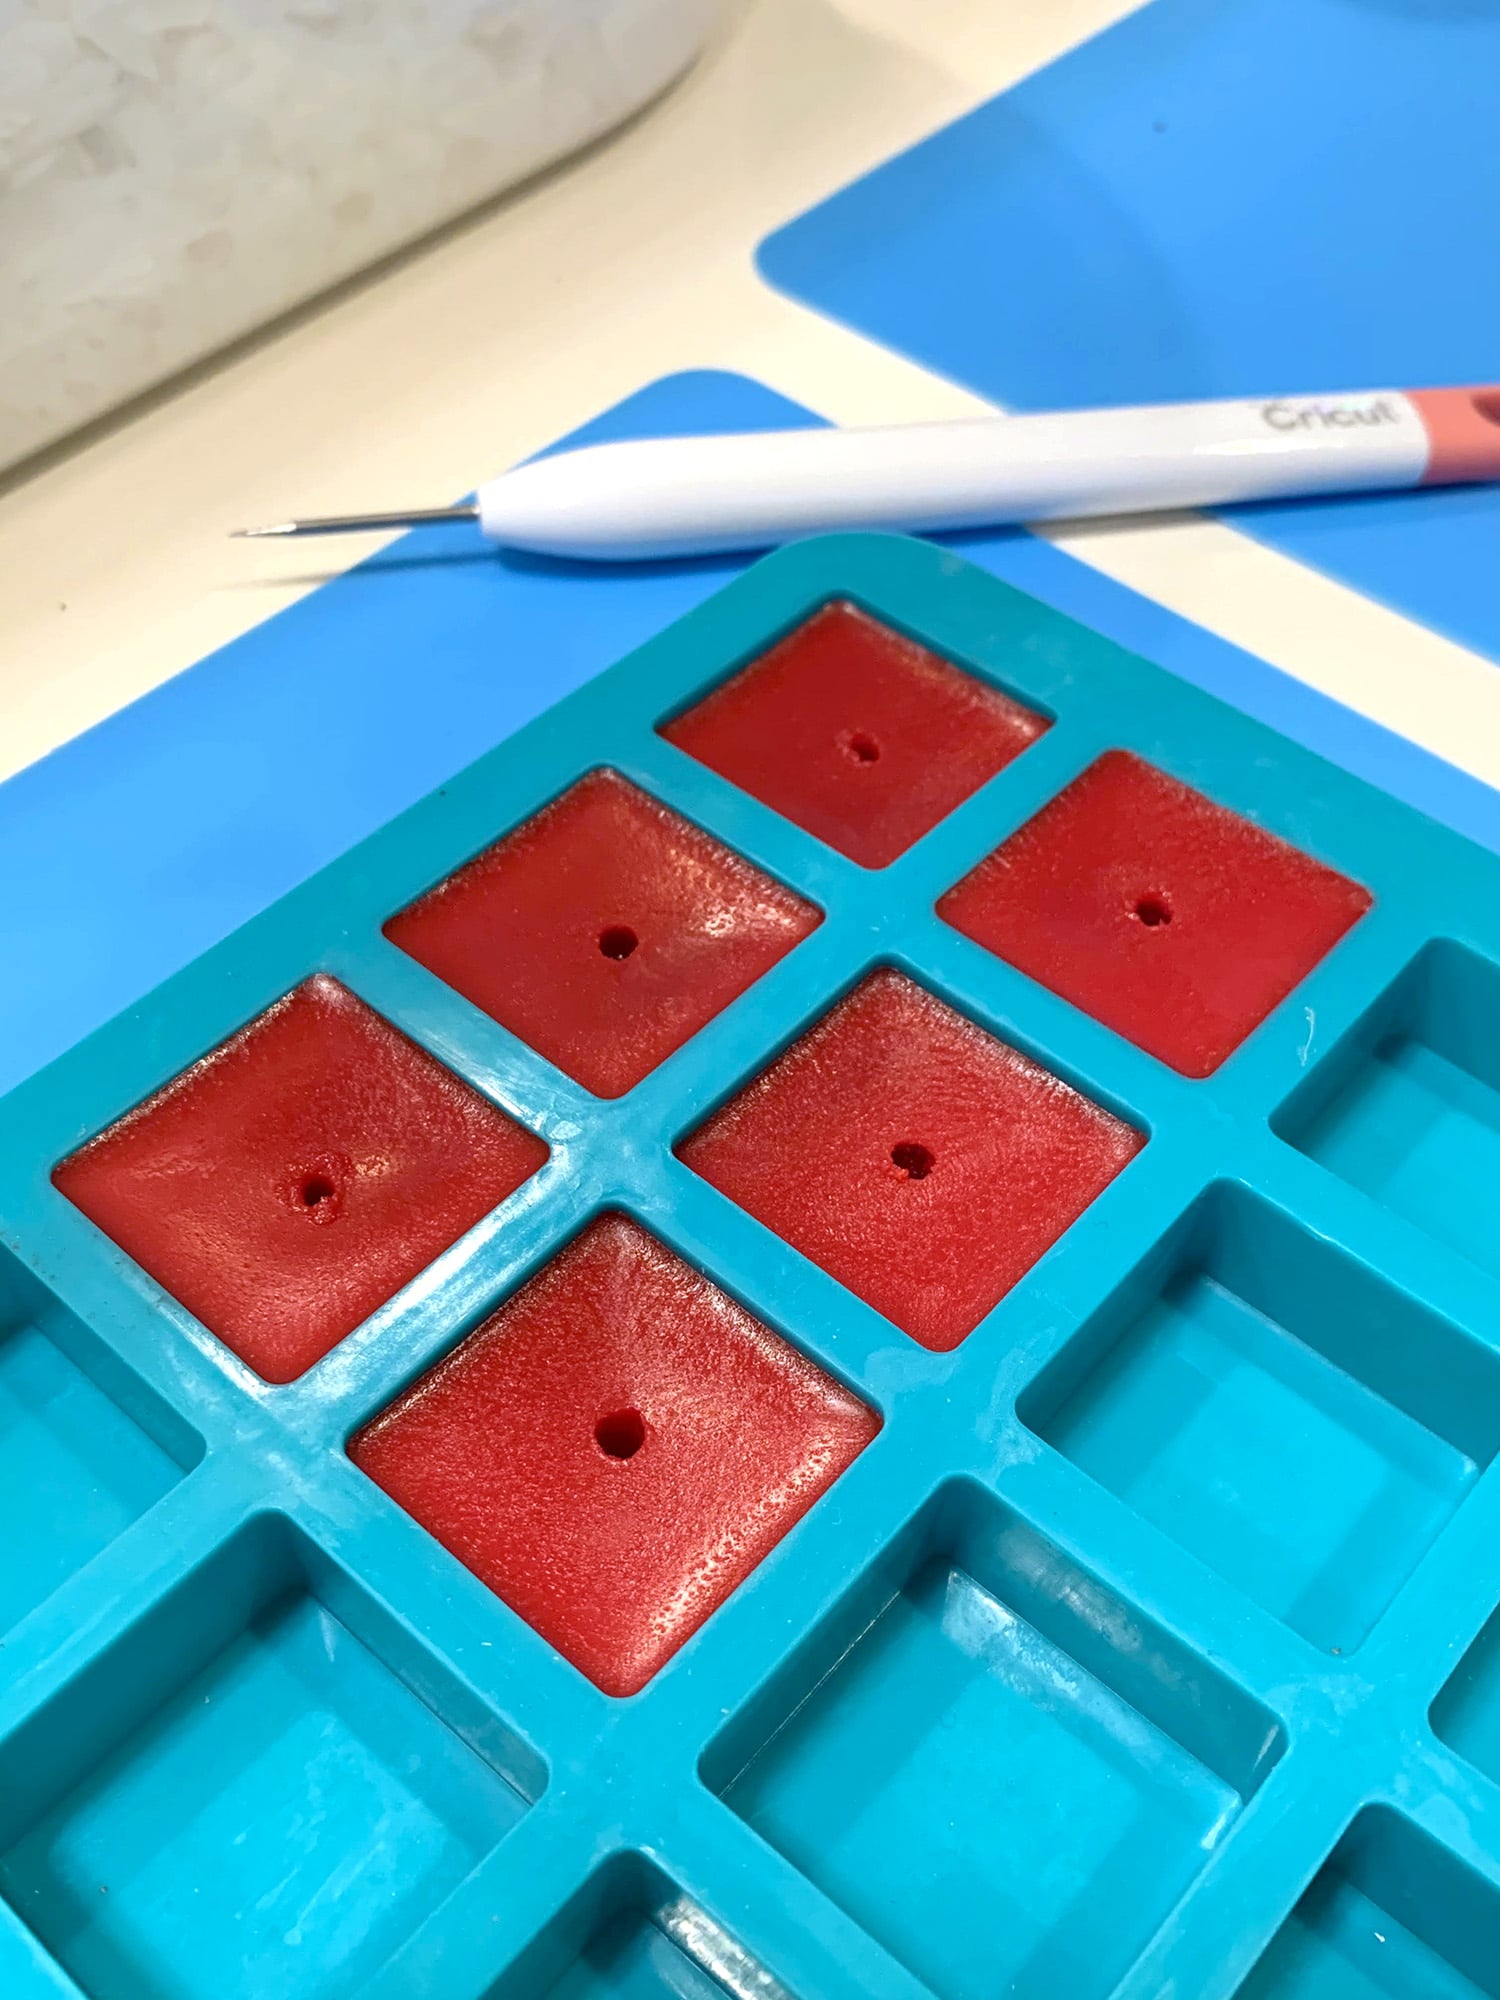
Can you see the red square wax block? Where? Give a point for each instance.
(290, 1182)
(922, 1163)
(857, 733)
(1172, 920)
(604, 932)
(615, 1450)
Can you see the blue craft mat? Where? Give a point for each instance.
(1214, 198)
(133, 848)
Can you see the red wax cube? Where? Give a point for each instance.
(604, 932)
(1172, 920)
(290, 1182)
(856, 732)
(615, 1450)
(921, 1162)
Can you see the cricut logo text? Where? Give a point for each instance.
(1323, 416)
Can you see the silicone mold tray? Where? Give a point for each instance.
(832, 1330)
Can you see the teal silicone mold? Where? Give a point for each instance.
(1105, 1670)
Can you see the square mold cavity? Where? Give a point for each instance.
(242, 1798)
(1466, 1715)
(1001, 1769)
(1169, 918)
(629, 1934)
(856, 732)
(1391, 1915)
(85, 1448)
(1273, 1406)
(289, 1182)
(919, 1160)
(615, 1450)
(1407, 1107)
(605, 931)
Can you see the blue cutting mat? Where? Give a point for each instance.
(140, 843)
(144, 841)
(1148, 1647)
(1214, 198)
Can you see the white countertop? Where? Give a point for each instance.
(631, 262)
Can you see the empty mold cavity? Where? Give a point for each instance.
(291, 1181)
(1407, 1106)
(1172, 920)
(1391, 1915)
(856, 732)
(604, 931)
(997, 1766)
(1466, 1715)
(85, 1449)
(243, 1796)
(920, 1161)
(630, 1934)
(615, 1450)
(1268, 1402)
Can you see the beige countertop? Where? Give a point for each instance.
(630, 262)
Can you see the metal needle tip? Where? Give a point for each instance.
(361, 524)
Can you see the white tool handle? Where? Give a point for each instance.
(691, 495)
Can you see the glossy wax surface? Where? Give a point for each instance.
(856, 732)
(921, 1162)
(286, 1185)
(615, 1450)
(1174, 921)
(604, 932)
